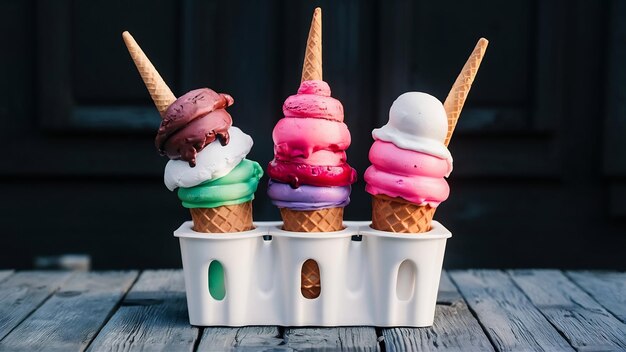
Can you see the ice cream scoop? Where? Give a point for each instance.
(306, 198)
(191, 122)
(213, 162)
(414, 176)
(418, 122)
(238, 186)
(296, 174)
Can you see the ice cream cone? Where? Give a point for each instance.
(158, 89)
(226, 218)
(312, 66)
(396, 214)
(318, 220)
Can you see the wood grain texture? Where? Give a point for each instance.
(608, 288)
(341, 338)
(5, 274)
(252, 338)
(23, 292)
(512, 322)
(152, 316)
(72, 316)
(454, 329)
(586, 325)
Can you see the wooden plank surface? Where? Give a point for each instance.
(22, 293)
(253, 338)
(608, 288)
(341, 338)
(512, 322)
(4, 274)
(70, 319)
(454, 329)
(152, 316)
(586, 325)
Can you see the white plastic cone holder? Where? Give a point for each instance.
(367, 277)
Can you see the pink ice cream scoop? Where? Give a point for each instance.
(409, 158)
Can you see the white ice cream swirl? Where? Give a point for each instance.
(418, 122)
(212, 162)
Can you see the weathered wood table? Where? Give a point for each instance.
(478, 310)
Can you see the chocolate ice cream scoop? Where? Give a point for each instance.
(190, 123)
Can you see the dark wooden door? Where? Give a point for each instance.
(539, 150)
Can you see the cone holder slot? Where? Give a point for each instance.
(385, 279)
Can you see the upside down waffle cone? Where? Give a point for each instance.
(158, 89)
(398, 215)
(227, 218)
(312, 66)
(322, 220)
(461, 87)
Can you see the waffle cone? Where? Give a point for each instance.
(227, 218)
(312, 66)
(398, 215)
(158, 89)
(322, 220)
(461, 87)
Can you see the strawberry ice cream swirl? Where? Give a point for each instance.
(301, 137)
(414, 176)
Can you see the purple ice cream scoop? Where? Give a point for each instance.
(308, 197)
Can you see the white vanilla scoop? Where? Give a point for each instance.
(212, 162)
(418, 122)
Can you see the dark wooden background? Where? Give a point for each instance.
(540, 151)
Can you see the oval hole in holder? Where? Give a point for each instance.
(405, 283)
(310, 280)
(217, 280)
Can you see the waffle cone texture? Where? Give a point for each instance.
(161, 94)
(227, 218)
(461, 87)
(321, 220)
(312, 66)
(400, 216)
